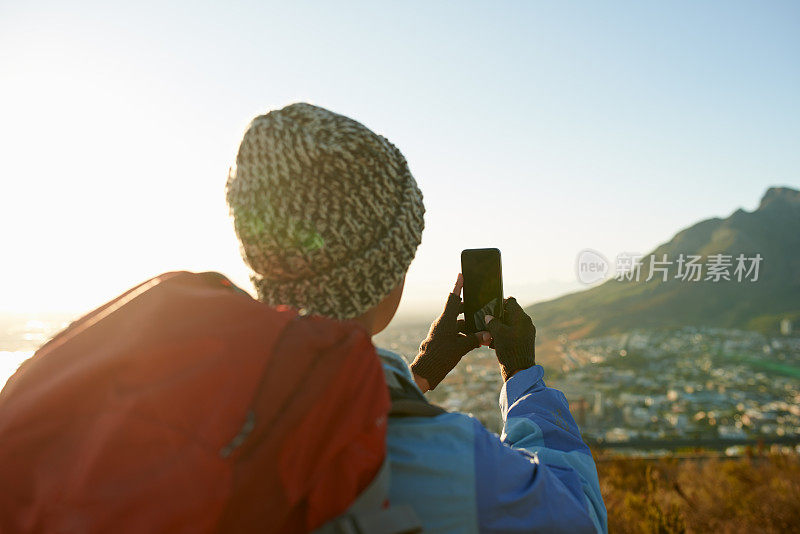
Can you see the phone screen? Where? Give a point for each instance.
(483, 286)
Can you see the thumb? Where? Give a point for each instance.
(484, 337)
(453, 306)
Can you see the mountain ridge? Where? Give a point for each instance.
(772, 230)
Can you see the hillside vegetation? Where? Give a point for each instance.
(749, 494)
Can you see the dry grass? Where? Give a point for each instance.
(750, 494)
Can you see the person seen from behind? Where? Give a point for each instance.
(329, 219)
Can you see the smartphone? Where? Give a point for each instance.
(483, 286)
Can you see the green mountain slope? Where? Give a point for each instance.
(772, 230)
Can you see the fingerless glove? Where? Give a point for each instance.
(513, 339)
(445, 345)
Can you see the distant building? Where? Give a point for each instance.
(598, 404)
(616, 435)
(730, 432)
(786, 327)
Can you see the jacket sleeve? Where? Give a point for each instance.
(539, 474)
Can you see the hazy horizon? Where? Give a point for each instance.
(422, 311)
(540, 129)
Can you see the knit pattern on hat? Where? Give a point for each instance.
(327, 213)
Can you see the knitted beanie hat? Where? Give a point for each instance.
(326, 211)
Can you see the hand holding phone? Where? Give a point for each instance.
(513, 339)
(513, 332)
(446, 343)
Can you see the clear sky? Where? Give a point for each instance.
(542, 128)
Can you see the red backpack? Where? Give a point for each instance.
(184, 405)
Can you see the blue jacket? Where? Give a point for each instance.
(538, 476)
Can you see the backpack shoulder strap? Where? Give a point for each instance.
(368, 514)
